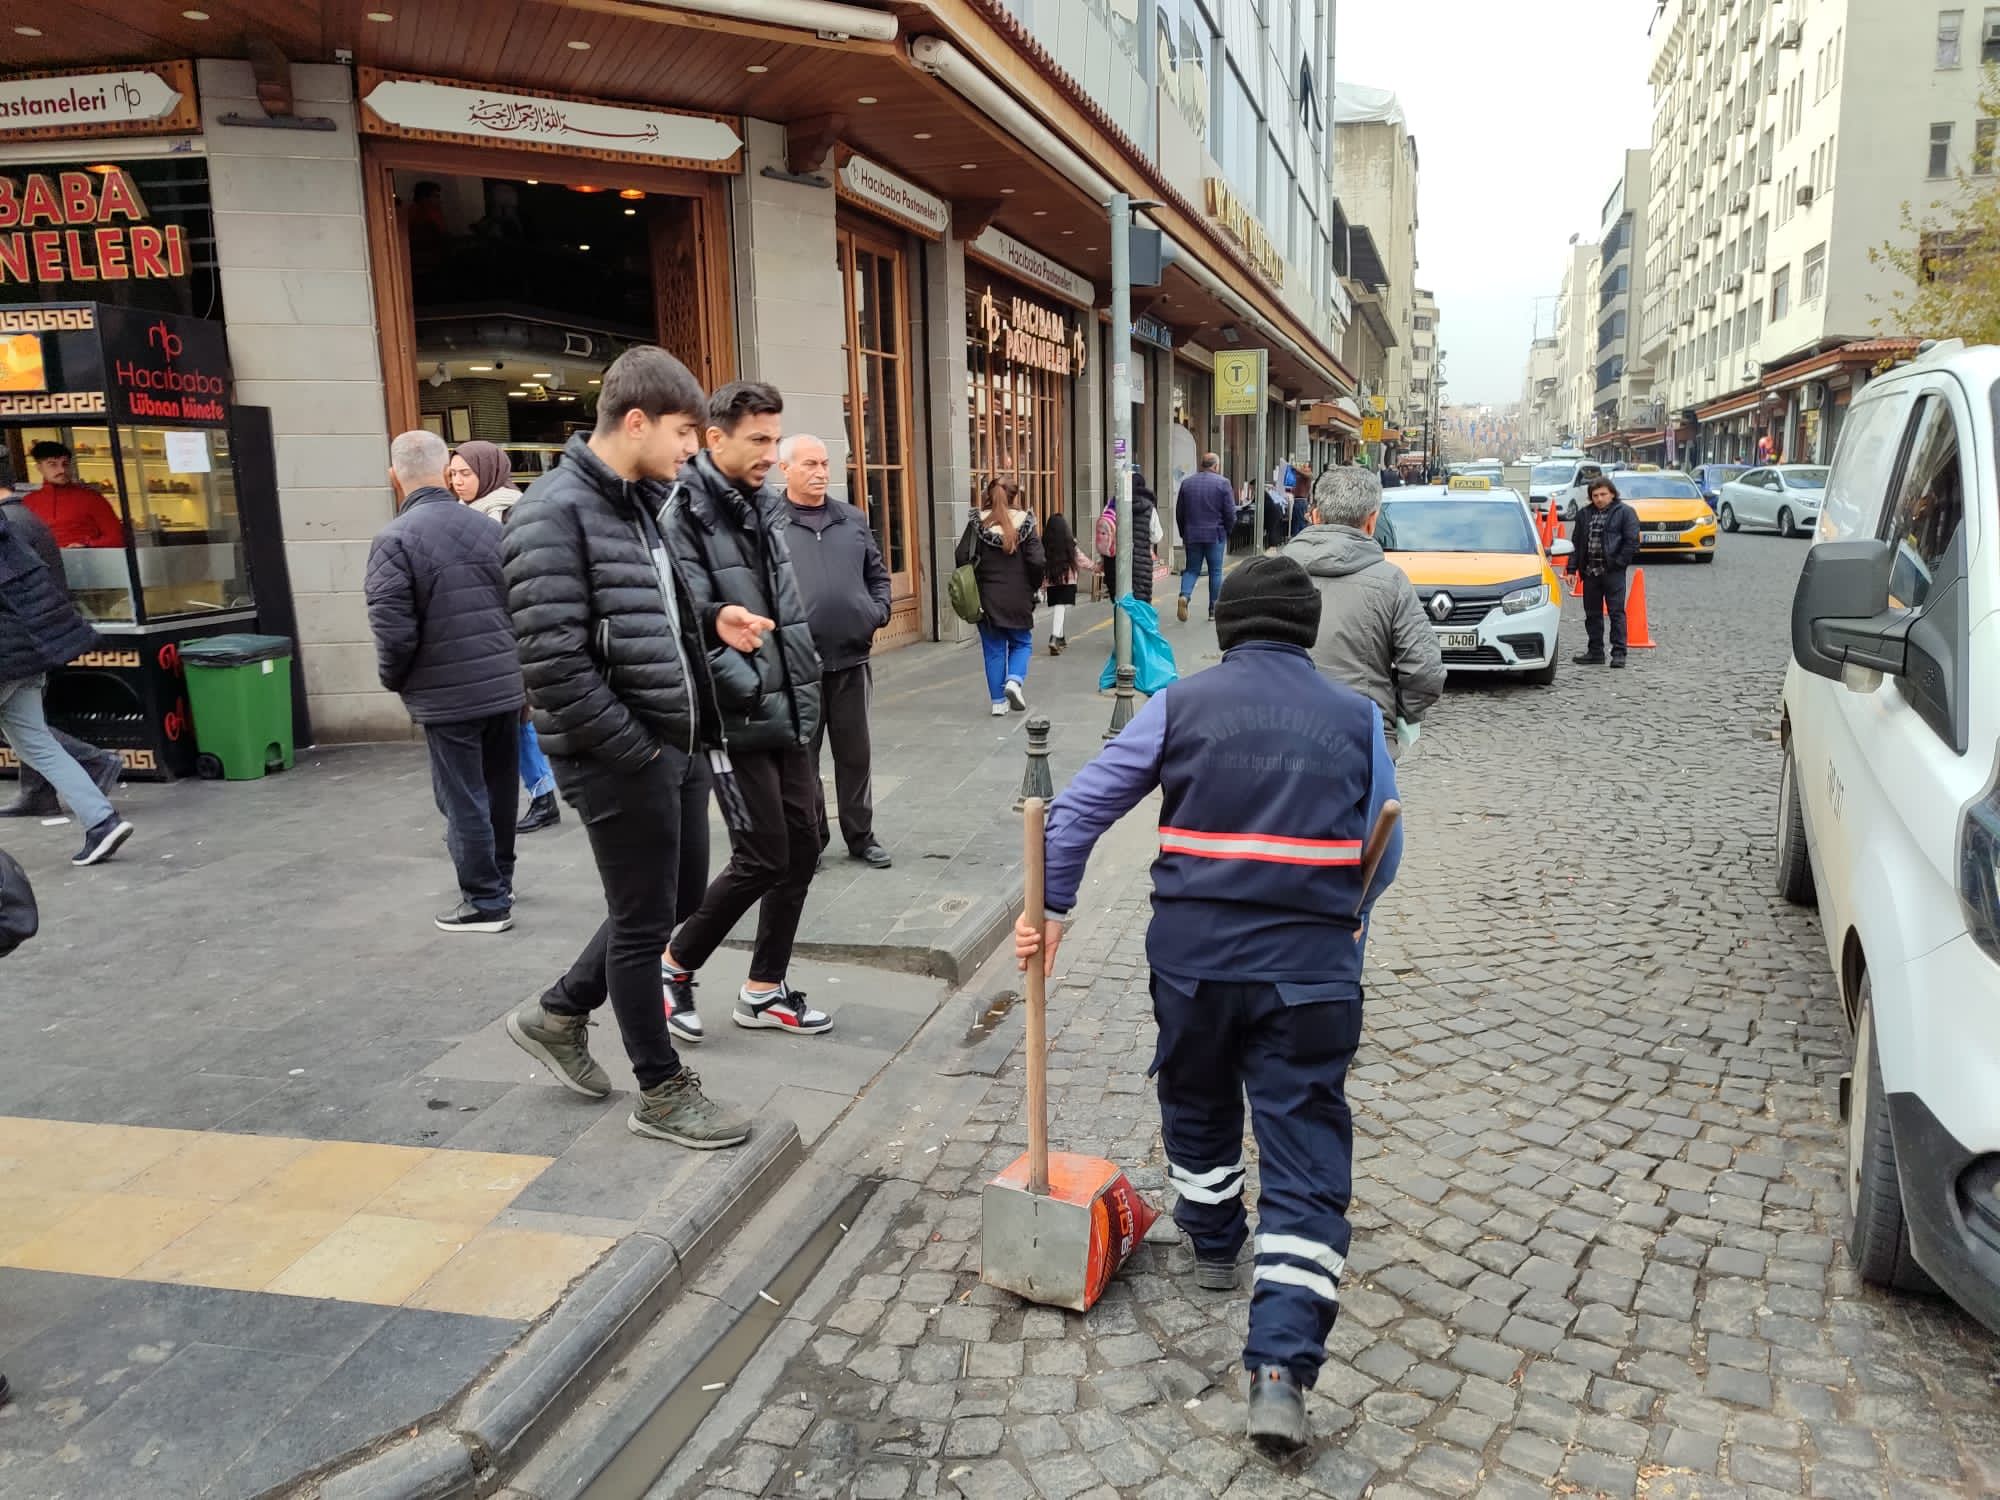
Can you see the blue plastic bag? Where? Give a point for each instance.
(1152, 657)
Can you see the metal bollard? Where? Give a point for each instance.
(1036, 781)
(1121, 704)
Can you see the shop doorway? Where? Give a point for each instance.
(507, 282)
(874, 272)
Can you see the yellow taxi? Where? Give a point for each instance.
(1673, 515)
(1487, 586)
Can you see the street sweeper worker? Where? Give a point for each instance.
(1271, 778)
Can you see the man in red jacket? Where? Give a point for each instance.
(78, 515)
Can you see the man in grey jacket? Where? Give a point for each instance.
(1373, 634)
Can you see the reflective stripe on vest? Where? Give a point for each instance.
(1266, 847)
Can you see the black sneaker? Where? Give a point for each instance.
(41, 804)
(683, 1020)
(102, 841)
(1618, 660)
(465, 917)
(1277, 1411)
(1589, 659)
(782, 1009)
(543, 812)
(872, 853)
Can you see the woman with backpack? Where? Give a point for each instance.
(1065, 562)
(1003, 547)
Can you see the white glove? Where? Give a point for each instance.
(1406, 733)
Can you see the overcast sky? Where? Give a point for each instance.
(1520, 111)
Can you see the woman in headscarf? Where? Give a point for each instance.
(480, 475)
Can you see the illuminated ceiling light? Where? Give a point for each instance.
(1069, 231)
(534, 181)
(630, 212)
(27, 31)
(102, 168)
(380, 16)
(583, 247)
(1006, 190)
(577, 46)
(1041, 213)
(595, 381)
(194, 15)
(756, 68)
(479, 367)
(545, 374)
(584, 187)
(968, 166)
(865, 99)
(630, 193)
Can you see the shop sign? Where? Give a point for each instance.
(1239, 383)
(143, 99)
(1016, 259)
(83, 226)
(163, 370)
(1235, 221)
(1372, 429)
(1152, 331)
(428, 109)
(1024, 332)
(873, 186)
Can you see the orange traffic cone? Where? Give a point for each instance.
(1575, 584)
(1636, 634)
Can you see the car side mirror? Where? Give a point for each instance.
(1841, 618)
(1562, 546)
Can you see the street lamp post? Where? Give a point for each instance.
(1121, 455)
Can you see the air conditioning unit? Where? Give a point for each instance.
(1747, 120)
(1732, 286)
(1721, 151)
(1757, 261)
(1764, 172)
(1771, 84)
(1693, 252)
(1708, 303)
(1712, 229)
(1804, 196)
(1740, 204)
(1687, 318)
(1791, 33)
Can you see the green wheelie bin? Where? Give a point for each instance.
(240, 693)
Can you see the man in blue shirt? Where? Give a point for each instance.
(1271, 777)
(1204, 513)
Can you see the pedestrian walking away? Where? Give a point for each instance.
(1373, 633)
(437, 605)
(1606, 535)
(1205, 512)
(845, 588)
(40, 630)
(36, 797)
(728, 537)
(1259, 921)
(481, 476)
(1065, 563)
(1005, 549)
(614, 655)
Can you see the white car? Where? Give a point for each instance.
(1480, 573)
(1784, 498)
(1889, 813)
(1550, 478)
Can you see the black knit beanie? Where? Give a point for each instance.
(1268, 599)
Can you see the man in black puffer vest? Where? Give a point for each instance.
(615, 647)
(437, 603)
(727, 534)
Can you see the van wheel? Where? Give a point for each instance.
(1878, 1236)
(1795, 881)
(1728, 516)
(1544, 676)
(1785, 526)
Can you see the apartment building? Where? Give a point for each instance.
(1376, 169)
(1576, 335)
(1624, 418)
(1776, 166)
(1540, 421)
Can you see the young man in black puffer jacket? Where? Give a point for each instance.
(727, 533)
(614, 645)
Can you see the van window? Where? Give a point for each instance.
(1929, 505)
(1857, 487)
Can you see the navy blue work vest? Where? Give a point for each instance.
(1266, 771)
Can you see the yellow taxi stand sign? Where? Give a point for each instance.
(1469, 482)
(1372, 429)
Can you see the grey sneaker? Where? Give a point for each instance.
(562, 1044)
(679, 1111)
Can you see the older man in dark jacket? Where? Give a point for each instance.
(1606, 537)
(727, 535)
(39, 631)
(846, 591)
(1205, 511)
(437, 602)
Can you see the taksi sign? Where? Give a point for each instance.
(83, 226)
(1016, 259)
(1024, 332)
(1239, 383)
(1235, 221)
(423, 108)
(139, 100)
(874, 186)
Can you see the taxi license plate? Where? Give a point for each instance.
(1458, 640)
(1651, 538)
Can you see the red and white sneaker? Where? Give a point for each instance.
(783, 1009)
(683, 1020)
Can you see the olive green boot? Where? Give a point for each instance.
(562, 1043)
(679, 1111)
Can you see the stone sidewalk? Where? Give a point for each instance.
(273, 1181)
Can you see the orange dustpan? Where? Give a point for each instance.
(1055, 1226)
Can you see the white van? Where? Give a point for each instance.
(1889, 813)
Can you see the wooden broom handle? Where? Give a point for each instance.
(1377, 846)
(1033, 816)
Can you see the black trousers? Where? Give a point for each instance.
(475, 778)
(648, 832)
(843, 710)
(772, 864)
(1605, 593)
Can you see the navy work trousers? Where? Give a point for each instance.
(1288, 1047)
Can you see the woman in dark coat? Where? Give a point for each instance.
(1005, 548)
(1065, 562)
(1144, 509)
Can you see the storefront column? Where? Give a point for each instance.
(1093, 431)
(292, 250)
(950, 434)
(790, 313)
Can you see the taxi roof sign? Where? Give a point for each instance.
(1469, 482)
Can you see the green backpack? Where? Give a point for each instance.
(963, 592)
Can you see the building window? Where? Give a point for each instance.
(1781, 293)
(880, 479)
(1813, 282)
(1422, 324)
(1983, 141)
(1950, 24)
(1940, 163)
(1989, 36)
(1242, 139)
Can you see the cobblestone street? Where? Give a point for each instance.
(1599, 1195)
